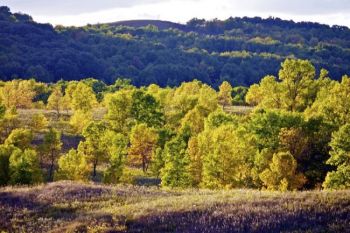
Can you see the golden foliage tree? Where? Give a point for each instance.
(143, 142)
(225, 94)
(282, 173)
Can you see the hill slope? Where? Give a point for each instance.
(240, 50)
(74, 207)
(160, 24)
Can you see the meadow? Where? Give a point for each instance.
(86, 207)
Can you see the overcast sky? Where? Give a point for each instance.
(82, 12)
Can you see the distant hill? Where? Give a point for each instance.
(239, 50)
(162, 25)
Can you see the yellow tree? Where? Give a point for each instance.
(282, 173)
(18, 94)
(207, 100)
(293, 140)
(266, 94)
(332, 103)
(143, 142)
(38, 122)
(227, 158)
(79, 120)
(180, 101)
(73, 166)
(196, 163)
(294, 91)
(297, 77)
(55, 101)
(225, 94)
(119, 110)
(94, 146)
(194, 120)
(68, 94)
(83, 98)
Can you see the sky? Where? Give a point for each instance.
(82, 12)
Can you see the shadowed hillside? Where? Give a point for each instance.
(239, 50)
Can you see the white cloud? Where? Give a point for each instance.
(323, 11)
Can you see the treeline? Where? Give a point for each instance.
(237, 50)
(296, 137)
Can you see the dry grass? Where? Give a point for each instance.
(77, 207)
(238, 110)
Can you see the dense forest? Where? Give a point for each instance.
(295, 134)
(238, 50)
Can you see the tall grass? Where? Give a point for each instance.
(78, 207)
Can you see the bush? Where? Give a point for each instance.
(72, 166)
(24, 167)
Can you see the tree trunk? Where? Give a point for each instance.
(94, 172)
(51, 166)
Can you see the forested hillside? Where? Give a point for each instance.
(238, 50)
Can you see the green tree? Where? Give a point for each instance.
(20, 138)
(207, 100)
(5, 153)
(119, 110)
(51, 147)
(332, 103)
(176, 171)
(93, 147)
(24, 167)
(157, 162)
(146, 109)
(340, 158)
(116, 148)
(73, 166)
(218, 118)
(265, 126)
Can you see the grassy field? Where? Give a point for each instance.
(76, 207)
